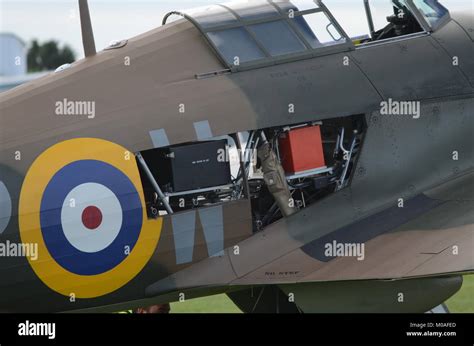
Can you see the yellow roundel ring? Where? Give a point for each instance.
(82, 203)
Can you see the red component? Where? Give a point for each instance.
(92, 217)
(302, 149)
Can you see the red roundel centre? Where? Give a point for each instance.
(91, 217)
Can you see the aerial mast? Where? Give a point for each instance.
(86, 29)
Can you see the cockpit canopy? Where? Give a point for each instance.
(254, 33)
(244, 32)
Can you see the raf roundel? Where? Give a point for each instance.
(82, 202)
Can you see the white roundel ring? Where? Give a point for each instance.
(91, 217)
(5, 207)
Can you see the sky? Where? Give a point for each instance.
(122, 19)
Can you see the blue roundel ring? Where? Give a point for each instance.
(61, 250)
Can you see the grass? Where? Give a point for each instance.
(213, 304)
(462, 302)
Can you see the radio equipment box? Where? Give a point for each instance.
(190, 166)
(301, 149)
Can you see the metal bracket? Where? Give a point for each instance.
(153, 182)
